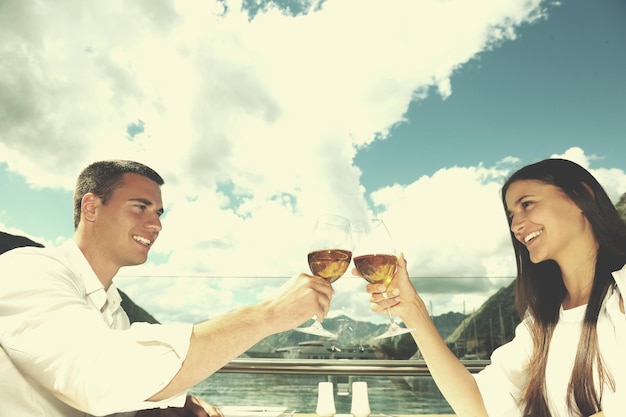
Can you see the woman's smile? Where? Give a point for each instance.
(531, 236)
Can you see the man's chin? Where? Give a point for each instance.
(138, 260)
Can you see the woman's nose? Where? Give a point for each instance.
(517, 224)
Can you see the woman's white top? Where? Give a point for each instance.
(501, 383)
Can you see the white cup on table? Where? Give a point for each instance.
(360, 400)
(325, 400)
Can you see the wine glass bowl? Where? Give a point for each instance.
(376, 268)
(329, 264)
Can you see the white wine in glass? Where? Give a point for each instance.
(330, 252)
(375, 259)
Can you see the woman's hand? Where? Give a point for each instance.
(398, 295)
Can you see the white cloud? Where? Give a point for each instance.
(217, 91)
(253, 123)
(451, 227)
(446, 224)
(613, 180)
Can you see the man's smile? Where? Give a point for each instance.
(142, 240)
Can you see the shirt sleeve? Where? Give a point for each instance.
(502, 381)
(54, 337)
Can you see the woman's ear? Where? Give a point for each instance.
(88, 206)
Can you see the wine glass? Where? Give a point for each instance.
(375, 259)
(330, 252)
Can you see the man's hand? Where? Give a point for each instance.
(194, 407)
(302, 297)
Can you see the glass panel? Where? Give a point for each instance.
(474, 315)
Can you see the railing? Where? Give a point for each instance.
(339, 367)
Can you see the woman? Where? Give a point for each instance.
(567, 355)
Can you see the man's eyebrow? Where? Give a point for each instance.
(147, 203)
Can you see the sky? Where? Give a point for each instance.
(263, 115)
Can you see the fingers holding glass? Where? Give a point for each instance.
(330, 253)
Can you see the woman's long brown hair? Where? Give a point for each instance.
(540, 289)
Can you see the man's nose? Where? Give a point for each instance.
(155, 223)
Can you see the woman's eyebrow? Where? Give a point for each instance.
(519, 200)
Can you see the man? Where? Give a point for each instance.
(68, 348)
(135, 314)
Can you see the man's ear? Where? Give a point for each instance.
(88, 206)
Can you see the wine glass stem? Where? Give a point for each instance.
(388, 309)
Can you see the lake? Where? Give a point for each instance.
(387, 395)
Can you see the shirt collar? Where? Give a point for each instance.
(94, 289)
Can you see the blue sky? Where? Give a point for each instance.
(261, 121)
(560, 84)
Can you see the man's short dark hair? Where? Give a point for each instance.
(103, 177)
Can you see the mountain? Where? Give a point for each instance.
(352, 334)
(492, 325)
